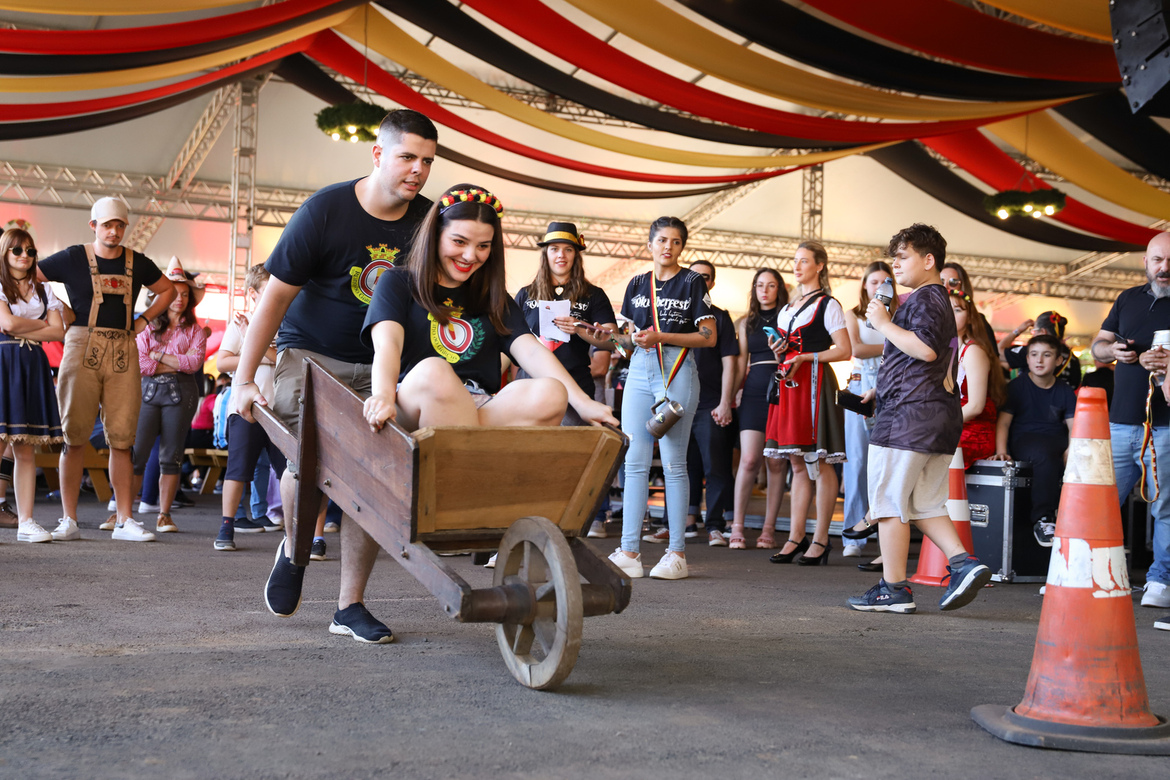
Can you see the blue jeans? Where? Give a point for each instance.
(855, 472)
(643, 389)
(1127, 446)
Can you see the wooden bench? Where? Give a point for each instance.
(95, 463)
(211, 465)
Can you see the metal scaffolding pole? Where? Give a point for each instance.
(812, 203)
(243, 190)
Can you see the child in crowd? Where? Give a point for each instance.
(1034, 426)
(245, 440)
(917, 424)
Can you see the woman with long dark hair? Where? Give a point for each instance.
(29, 314)
(757, 363)
(807, 427)
(171, 352)
(670, 310)
(439, 325)
(982, 387)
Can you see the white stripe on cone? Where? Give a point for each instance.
(1075, 564)
(958, 507)
(1090, 462)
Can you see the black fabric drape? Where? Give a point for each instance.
(1108, 119)
(11, 131)
(911, 162)
(302, 72)
(57, 64)
(459, 29)
(794, 33)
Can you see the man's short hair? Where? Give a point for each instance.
(706, 263)
(257, 275)
(923, 239)
(401, 121)
(1046, 339)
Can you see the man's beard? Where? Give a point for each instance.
(1161, 289)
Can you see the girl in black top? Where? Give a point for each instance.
(439, 325)
(757, 363)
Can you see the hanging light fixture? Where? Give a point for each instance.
(1020, 201)
(351, 121)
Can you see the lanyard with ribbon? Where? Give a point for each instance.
(682, 355)
(1148, 443)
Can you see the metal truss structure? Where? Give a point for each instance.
(243, 185)
(812, 202)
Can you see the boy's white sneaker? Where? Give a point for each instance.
(30, 531)
(672, 566)
(66, 530)
(632, 567)
(131, 530)
(1156, 595)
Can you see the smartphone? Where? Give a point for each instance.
(773, 333)
(591, 329)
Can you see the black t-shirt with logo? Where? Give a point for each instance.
(469, 342)
(334, 250)
(682, 302)
(71, 268)
(709, 360)
(574, 353)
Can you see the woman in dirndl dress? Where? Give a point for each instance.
(29, 314)
(807, 426)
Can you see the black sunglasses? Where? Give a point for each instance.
(19, 250)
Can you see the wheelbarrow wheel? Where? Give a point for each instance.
(534, 553)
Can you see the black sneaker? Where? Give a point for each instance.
(1044, 531)
(356, 621)
(182, 500)
(225, 540)
(966, 581)
(267, 524)
(245, 526)
(691, 531)
(282, 592)
(317, 551)
(1163, 624)
(883, 598)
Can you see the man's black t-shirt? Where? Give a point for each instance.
(1136, 314)
(71, 268)
(709, 360)
(574, 353)
(469, 342)
(334, 250)
(682, 302)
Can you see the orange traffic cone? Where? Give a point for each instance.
(932, 564)
(1086, 690)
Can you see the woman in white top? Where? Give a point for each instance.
(29, 313)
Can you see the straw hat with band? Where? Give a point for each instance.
(177, 275)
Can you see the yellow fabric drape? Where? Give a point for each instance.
(1086, 17)
(383, 36)
(121, 78)
(1058, 150)
(670, 33)
(110, 7)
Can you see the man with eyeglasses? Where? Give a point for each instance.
(99, 367)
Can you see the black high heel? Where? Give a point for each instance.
(786, 557)
(869, 530)
(806, 560)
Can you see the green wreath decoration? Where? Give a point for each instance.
(1038, 203)
(351, 121)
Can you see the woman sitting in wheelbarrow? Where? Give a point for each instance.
(438, 327)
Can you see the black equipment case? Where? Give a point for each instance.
(1000, 495)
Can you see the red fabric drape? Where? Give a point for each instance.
(330, 50)
(547, 29)
(21, 112)
(954, 32)
(163, 36)
(974, 152)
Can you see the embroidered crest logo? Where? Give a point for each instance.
(362, 280)
(458, 340)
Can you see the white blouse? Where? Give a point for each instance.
(33, 308)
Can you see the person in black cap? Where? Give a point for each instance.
(1068, 367)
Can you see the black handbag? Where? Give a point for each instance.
(853, 403)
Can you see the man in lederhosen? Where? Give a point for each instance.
(99, 368)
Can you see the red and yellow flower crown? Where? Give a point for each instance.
(473, 195)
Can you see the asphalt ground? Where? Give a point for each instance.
(159, 660)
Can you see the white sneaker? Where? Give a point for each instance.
(130, 530)
(30, 531)
(145, 508)
(66, 530)
(491, 564)
(111, 505)
(851, 551)
(1157, 595)
(672, 567)
(110, 522)
(631, 567)
(716, 539)
(276, 520)
(597, 530)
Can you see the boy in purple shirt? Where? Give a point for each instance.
(918, 421)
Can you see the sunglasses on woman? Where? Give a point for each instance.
(19, 250)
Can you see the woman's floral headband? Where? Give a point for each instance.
(473, 195)
(955, 291)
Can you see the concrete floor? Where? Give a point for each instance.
(160, 660)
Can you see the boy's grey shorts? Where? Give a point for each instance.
(908, 485)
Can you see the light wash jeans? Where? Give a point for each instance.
(1127, 446)
(643, 389)
(855, 471)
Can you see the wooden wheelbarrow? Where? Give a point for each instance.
(526, 493)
